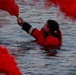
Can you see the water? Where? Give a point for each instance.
(32, 60)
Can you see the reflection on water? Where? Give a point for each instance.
(32, 58)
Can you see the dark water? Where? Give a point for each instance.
(32, 60)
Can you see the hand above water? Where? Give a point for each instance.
(20, 21)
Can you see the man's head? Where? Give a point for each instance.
(51, 26)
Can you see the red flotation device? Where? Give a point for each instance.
(8, 64)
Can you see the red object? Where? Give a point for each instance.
(7, 63)
(49, 42)
(9, 6)
(66, 6)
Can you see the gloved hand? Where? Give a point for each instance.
(20, 21)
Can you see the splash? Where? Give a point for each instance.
(9, 6)
(68, 7)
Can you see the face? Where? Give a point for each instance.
(46, 29)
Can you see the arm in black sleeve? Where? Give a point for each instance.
(28, 28)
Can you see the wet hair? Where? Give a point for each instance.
(54, 29)
(53, 25)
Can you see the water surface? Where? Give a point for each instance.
(32, 60)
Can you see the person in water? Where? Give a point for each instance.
(49, 36)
